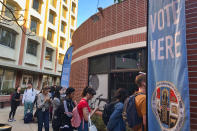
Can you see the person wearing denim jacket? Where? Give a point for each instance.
(116, 122)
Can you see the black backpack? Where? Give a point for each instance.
(132, 116)
(28, 117)
(108, 110)
(56, 122)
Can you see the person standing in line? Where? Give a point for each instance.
(15, 102)
(56, 101)
(84, 109)
(28, 98)
(116, 122)
(140, 100)
(140, 104)
(43, 103)
(69, 105)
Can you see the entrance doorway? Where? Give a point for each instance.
(122, 80)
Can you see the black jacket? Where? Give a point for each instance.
(14, 97)
(60, 113)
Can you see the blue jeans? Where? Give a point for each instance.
(28, 105)
(85, 126)
(43, 118)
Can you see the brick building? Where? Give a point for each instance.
(110, 49)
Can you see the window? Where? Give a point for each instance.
(52, 17)
(58, 81)
(53, 3)
(26, 79)
(73, 7)
(49, 54)
(7, 12)
(32, 47)
(133, 59)
(72, 20)
(61, 59)
(8, 79)
(63, 27)
(47, 80)
(7, 38)
(65, 1)
(37, 5)
(64, 11)
(71, 33)
(34, 27)
(50, 35)
(62, 41)
(99, 64)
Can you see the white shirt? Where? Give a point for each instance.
(29, 95)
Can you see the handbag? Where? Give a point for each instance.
(91, 126)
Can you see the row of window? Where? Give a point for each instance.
(8, 38)
(35, 22)
(37, 5)
(32, 47)
(7, 78)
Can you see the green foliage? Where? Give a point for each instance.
(118, 1)
(22, 90)
(98, 122)
(7, 91)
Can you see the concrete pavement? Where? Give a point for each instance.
(18, 125)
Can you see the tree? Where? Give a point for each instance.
(18, 19)
(118, 1)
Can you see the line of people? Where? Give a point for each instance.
(62, 111)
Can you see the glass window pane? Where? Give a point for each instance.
(63, 27)
(51, 18)
(36, 5)
(64, 12)
(128, 60)
(99, 64)
(50, 35)
(7, 12)
(8, 79)
(61, 43)
(48, 55)
(32, 47)
(33, 26)
(7, 38)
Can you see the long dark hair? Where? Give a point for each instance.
(121, 94)
(88, 90)
(57, 94)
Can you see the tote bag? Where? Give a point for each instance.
(91, 126)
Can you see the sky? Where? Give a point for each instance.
(87, 8)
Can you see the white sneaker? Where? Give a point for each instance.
(10, 120)
(13, 120)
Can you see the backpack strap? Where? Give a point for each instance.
(124, 113)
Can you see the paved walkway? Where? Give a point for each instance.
(18, 125)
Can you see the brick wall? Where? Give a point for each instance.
(117, 18)
(79, 77)
(128, 15)
(191, 35)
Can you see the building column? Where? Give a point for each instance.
(18, 78)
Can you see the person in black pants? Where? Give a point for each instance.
(15, 102)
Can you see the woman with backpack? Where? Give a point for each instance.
(55, 101)
(84, 109)
(63, 114)
(43, 103)
(69, 105)
(116, 122)
(15, 102)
